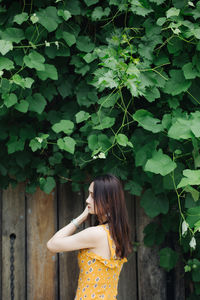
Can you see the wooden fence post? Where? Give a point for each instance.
(128, 280)
(151, 277)
(41, 263)
(70, 206)
(13, 234)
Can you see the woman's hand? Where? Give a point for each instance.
(85, 213)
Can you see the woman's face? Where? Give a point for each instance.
(90, 199)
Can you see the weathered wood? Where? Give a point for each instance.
(70, 206)
(151, 277)
(127, 287)
(179, 281)
(13, 222)
(41, 263)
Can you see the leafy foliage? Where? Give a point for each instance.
(83, 81)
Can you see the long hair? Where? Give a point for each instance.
(109, 201)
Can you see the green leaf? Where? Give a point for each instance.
(5, 46)
(168, 258)
(91, 2)
(13, 35)
(69, 38)
(193, 216)
(193, 192)
(6, 64)
(35, 60)
(23, 82)
(106, 122)
(67, 144)
(161, 21)
(177, 83)
(192, 177)
(15, 144)
(48, 18)
(151, 94)
(109, 100)
(84, 44)
(65, 14)
(34, 144)
(154, 204)
(22, 106)
(180, 129)
(160, 163)
(20, 18)
(37, 103)
(10, 100)
(50, 71)
(122, 140)
(154, 234)
(133, 187)
(172, 12)
(146, 120)
(99, 12)
(190, 71)
(82, 116)
(138, 8)
(47, 184)
(66, 126)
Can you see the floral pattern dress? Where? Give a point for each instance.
(98, 277)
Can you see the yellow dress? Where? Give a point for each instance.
(98, 277)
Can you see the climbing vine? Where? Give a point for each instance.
(116, 81)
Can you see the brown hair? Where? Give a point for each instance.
(109, 200)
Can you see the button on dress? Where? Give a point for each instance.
(98, 277)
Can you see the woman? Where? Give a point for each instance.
(103, 248)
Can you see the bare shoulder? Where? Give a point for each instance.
(97, 231)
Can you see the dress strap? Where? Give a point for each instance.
(110, 241)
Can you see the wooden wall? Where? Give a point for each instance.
(40, 275)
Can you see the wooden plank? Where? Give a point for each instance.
(41, 263)
(127, 287)
(179, 279)
(13, 222)
(70, 206)
(151, 277)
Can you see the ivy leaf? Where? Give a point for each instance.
(192, 177)
(48, 18)
(180, 129)
(69, 38)
(122, 140)
(151, 94)
(13, 35)
(194, 193)
(35, 60)
(67, 144)
(10, 100)
(133, 187)
(82, 116)
(14, 144)
(109, 100)
(34, 144)
(168, 258)
(154, 204)
(91, 2)
(138, 8)
(6, 63)
(172, 12)
(106, 122)
(160, 163)
(190, 71)
(49, 71)
(65, 14)
(66, 126)
(177, 83)
(23, 82)
(22, 106)
(146, 120)
(84, 44)
(98, 13)
(20, 18)
(193, 215)
(37, 103)
(47, 184)
(5, 46)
